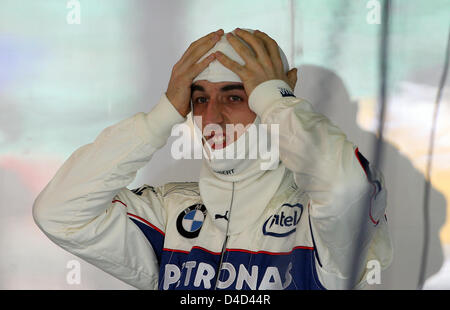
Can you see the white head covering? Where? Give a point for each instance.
(216, 72)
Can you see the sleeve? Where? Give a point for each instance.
(347, 214)
(87, 209)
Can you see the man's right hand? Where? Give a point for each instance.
(186, 69)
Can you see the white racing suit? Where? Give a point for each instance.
(325, 220)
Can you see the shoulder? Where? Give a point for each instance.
(160, 195)
(188, 188)
(168, 189)
(180, 188)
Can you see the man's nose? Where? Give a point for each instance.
(212, 114)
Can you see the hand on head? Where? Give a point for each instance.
(263, 63)
(186, 69)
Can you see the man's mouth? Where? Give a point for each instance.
(217, 141)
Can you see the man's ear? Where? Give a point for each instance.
(292, 76)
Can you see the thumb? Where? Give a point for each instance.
(292, 77)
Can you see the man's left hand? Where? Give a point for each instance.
(264, 66)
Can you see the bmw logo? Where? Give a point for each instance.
(190, 220)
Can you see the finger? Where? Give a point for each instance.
(198, 68)
(231, 64)
(247, 55)
(272, 48)
(203, 46)
(199, 47)
(215, 35)
(257, 44)
(292, 76)
(196, 42)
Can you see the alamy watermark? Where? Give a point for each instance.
(73, 276)
(373, 16)
(373, 275)
(253, 142)
(73, 16)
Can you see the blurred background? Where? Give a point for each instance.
(68, 69)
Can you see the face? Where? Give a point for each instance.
(220, 104)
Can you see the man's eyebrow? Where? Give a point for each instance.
(232, 86)
(195, 87)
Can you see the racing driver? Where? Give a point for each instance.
(312, 220)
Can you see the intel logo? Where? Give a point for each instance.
(283, 223)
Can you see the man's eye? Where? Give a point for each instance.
(235, 98)
(200, 100)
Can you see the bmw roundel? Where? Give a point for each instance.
(190, 220)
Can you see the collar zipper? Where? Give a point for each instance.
(224, 245)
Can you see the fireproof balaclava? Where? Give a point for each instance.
(218, 160)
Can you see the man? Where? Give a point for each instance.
(311, 221)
